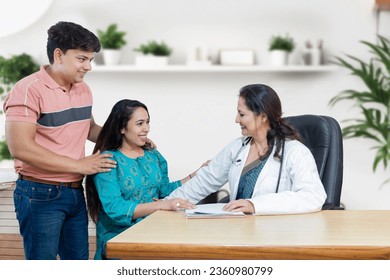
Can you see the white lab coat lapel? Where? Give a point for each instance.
(236, 170)
(267, 178)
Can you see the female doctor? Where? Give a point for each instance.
(268, 169)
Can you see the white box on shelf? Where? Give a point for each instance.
(236, 57)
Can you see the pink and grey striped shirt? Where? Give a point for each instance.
(62, 119)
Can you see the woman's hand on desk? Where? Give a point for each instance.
(175, 204)
(241, 205)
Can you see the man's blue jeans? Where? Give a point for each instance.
(53, 221)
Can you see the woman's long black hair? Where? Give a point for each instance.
(110, 138)
(260, 99)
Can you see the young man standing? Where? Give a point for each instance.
(48, 120)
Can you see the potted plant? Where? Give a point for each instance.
(12, 70)
(280, 47)
(373, 102)
(153, 54)
(4, 152)
(112, 40)
(15, 68)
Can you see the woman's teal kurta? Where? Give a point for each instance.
(132, 182)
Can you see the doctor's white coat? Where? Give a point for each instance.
(300, 188)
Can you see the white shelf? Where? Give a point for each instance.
(213, 69)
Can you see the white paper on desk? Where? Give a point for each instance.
(210, 211)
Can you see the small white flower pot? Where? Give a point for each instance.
(111, 57)
(279, 58)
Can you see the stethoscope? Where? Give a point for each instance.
(237, 161)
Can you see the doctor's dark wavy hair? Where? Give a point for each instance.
(70, 36)
(260, 99)
(110, 138)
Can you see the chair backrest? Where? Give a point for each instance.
(322, 135)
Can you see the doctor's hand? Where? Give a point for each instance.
(241, 205)
(192, 175)
(205, 163)
(150, 144)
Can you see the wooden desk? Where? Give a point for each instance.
(323, 235)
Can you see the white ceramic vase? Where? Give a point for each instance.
(111, 57)
(279, 58)
(312, 56)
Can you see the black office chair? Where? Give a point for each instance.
(322, 135)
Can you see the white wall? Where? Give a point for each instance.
(193, 113)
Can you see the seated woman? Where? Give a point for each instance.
(269, 170)
(124, 196)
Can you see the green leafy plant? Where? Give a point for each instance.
(111, 38)
(284, 43)
(373, 102)
(4, 151)
(15, 68)
(154, 48)
(12, 70)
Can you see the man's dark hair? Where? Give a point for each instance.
(69, 35)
